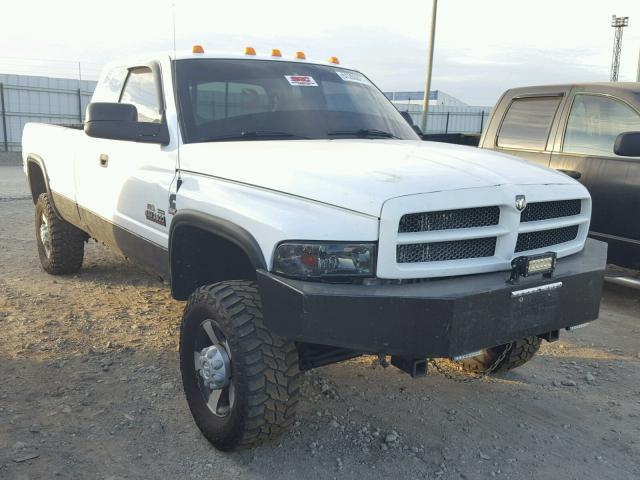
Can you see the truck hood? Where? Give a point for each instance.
(361, 175)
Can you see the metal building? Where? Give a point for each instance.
(26, 98)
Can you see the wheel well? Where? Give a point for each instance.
(200, 257)
(37, 182)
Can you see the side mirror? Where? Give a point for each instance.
(409, 119)
(119, 121)
(627, 144)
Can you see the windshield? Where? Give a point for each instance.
(265, 100)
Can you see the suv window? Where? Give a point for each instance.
(527, 123)
(140, 91)
(594, 123)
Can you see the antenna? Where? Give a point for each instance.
(173, 20)
(175, 86)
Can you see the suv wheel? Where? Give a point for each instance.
(241, 382)
(60, 244)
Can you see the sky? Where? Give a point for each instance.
(482, 47)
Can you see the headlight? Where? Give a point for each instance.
(318, 260)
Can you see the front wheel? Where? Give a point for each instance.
(493, 360)
(241, 382)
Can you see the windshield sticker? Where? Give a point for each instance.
(353, 77)
(301, 80)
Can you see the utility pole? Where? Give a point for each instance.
(427, 83)
(638, 76)
(618, 23)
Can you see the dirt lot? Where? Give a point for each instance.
(90, 389)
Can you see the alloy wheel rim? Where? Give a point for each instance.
(45, 237)
(212, 365)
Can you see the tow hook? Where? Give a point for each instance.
(416, 367)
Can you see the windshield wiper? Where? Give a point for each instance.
(362, 132)
(255, 134)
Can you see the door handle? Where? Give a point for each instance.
(571, 173)
(104, 160)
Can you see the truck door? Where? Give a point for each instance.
(594, 122)
(124, 187)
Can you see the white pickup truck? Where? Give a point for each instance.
(306, 223)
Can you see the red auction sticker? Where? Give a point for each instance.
(301, 80)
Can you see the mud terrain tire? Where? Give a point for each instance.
(265, 377)
(60, 244)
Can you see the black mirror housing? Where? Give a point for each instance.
(627, 144)
(119, 121)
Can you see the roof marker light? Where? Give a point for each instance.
(276, 52)
(197, 49)
(334, 60)
(300, 55)
(249, 51)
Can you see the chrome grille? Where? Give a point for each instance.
(548, 210)
(449, 219)
(442, 251)
(545, 238)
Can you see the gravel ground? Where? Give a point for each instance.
(90, 389)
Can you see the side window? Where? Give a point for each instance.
(594, 123)
(218, 100)
(110, 86)
(141, 92)
(527, 123)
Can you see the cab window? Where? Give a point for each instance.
(594, 123)
(141, 92)
(527, 123)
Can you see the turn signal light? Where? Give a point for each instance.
(249, 51)
(197, 49)
(334, 60)
(300, 55)
(276, 53)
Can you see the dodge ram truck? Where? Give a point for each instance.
(305, 223)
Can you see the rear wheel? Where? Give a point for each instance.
(521, 352)
(60, 244)
(241, 382)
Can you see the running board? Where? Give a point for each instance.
(624, 281)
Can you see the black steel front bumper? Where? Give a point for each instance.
(436, 318)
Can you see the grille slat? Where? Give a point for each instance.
(548, 210)
(546, 238)
(449, 219)
(442, 251)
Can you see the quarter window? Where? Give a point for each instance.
(141, 92)
(110, 86)
(527, 123)
(594, 123)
